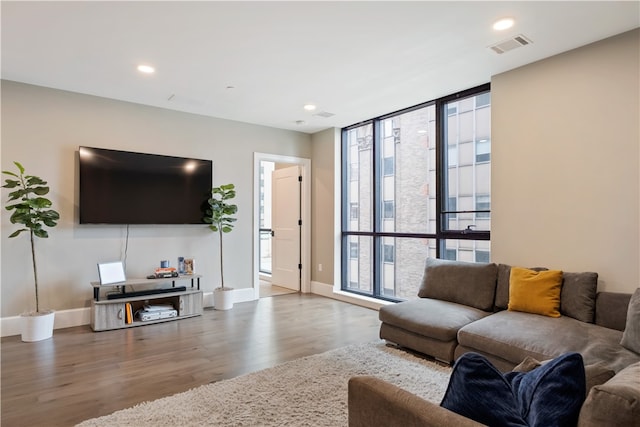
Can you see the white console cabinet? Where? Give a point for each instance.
(107, 314)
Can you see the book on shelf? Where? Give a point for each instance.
(128, 319)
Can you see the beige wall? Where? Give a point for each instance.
(322, 204)
(42, 128)
(565, 160)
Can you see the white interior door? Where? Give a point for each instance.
(285, 223)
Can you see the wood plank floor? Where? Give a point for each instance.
(79, 374)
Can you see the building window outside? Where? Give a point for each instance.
(353, 211)
(388, 209)
(388, 254)
(408, 208)
(353, 250)
(482, 256)
(483, 203)
(388, 166)
(450, 254)
(353, 172)
(483, 150)
(452, 206)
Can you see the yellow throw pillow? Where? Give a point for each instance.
(535, 292)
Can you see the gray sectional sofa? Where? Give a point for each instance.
(462, 307)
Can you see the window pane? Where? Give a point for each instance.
(353, 211)
(388, 166)
(483, 203)
(468, 136)
(359, 272)
(402, 277)
(483, 150)
(466, 250)
(353, 250)
(359, 191)
(388, 210)
(410, 184)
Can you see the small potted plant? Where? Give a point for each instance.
(220, 217)
(29, 208)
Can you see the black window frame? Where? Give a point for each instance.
(441, 235)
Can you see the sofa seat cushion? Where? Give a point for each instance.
(430, 317)
(513, 336)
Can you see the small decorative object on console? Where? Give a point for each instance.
(162, 273)
(181, 269)
(189, 266)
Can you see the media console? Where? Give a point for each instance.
(121, 308)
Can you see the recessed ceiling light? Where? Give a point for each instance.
(309, 107)
(147, 69)
(503, 24)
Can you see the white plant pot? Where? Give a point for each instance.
(37, 326)
(223, 298)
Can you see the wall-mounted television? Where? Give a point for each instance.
(122, 187)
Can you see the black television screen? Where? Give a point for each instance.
(121, 187)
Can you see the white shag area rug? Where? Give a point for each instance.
(311, 391)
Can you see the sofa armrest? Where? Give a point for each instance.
(374, 402)
(614, 403)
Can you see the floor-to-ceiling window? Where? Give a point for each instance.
(415, 183)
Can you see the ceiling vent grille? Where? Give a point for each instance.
(324, 114)
(510, 44)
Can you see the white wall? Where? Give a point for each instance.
(565, 161)
(43, 128)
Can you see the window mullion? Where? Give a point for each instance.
(377, 208)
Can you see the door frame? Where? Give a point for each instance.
(305, 197)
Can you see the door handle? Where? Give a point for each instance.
(273, 233)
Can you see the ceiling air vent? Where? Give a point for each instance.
(510, 44)
(324, 114)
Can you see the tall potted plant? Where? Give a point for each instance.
(220, 217)
(31, 210)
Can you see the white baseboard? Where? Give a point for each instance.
(328, 291)
(63, 319)
(239, 295)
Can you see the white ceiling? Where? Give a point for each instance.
(356, 60)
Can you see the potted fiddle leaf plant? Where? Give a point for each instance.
(220, 217)
(33, 212)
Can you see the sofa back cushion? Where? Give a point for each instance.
(611, 310)
(502, 285)
(535, 292)
(468, 283)
(578, 295)
(631, 334)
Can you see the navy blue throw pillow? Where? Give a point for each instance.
(550, 395)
